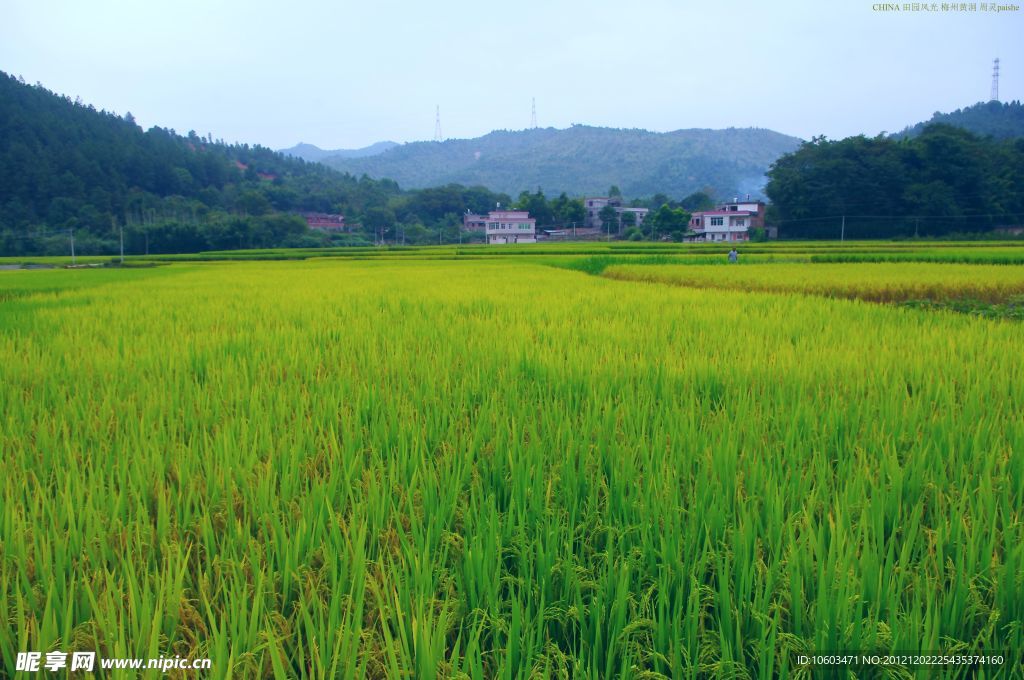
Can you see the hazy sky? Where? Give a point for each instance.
(343, 74)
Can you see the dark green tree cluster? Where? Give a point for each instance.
(557, 212)
(666, 221)
(945, 180)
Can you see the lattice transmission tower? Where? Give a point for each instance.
(438, 137)
(995, 80)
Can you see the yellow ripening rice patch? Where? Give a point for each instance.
(877, 282)
(499, 470)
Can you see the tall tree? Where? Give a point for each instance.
(609, 219)
(627, 219)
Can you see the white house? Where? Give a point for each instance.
(729, 221)
(722, 225)
(505, 226)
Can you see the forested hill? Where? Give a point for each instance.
(586, 160)
(987, 119)
(314, 154)
(66, 166)
(946, 180)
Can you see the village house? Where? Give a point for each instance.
(728, 221)
(324, 221)
(594, 204)
(503, 226)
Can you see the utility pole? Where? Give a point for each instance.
(121, 230)
(842, 232)
(917, 222)
(72, 247)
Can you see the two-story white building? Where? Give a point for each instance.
(722, 225)
(504, 226)
(729, 221)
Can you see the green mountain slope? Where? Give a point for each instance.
(586, 160)
(1002, 120)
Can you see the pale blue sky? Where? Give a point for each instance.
(345, 74)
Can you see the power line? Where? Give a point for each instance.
(900, 217)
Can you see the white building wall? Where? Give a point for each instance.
(749, 207)
(507, 228)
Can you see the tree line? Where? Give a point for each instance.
(942, 181)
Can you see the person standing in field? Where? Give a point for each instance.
(734, 257)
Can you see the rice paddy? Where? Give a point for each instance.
(497, 468)
(878, 282)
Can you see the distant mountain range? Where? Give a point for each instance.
(315, 154)
(988, 119)
(583, 160)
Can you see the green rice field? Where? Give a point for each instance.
(443, 464)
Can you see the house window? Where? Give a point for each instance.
(717, 221)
